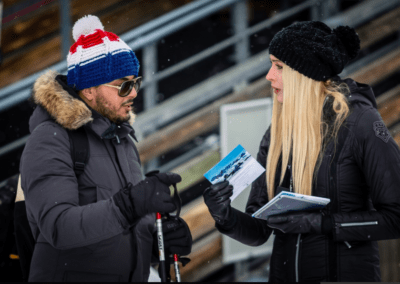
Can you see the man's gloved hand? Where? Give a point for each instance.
(177, 236)
(297, 223)
(177, 240)
(149, 196)
(217, 199)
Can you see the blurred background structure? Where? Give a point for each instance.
(196, 56)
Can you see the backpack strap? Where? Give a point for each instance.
(79, 149)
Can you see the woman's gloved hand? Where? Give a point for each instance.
(217, 199)
(301, 223)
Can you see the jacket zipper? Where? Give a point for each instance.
(354, 224)
(298, 237)
(297, 258)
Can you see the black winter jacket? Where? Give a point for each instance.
(80, 233)
(362, 179)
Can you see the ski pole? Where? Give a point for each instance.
(176, 265)
(161, 252)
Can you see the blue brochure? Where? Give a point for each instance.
(238, 167)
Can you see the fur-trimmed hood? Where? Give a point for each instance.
(57, 101)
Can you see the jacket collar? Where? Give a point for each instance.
(358, 92)
(361, 93)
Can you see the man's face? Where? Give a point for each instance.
(275, 77)
(108, 103)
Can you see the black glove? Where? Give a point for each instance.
(177, 236)
(177, 240)
(298, 223)
(149, 196)
(217, 199)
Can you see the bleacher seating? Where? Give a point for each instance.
(30, 54)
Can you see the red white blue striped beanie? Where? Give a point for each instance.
(98, 57)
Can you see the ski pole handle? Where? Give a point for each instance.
(176, 265)
(161, 251)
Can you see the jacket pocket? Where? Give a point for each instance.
(354, 224)
(103, 193)
(80, 276)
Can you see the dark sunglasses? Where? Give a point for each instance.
(126, 87)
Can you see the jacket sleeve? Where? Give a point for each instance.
(248, 230)
(378, 156)
(52, 198)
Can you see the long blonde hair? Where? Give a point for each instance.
(299, 130)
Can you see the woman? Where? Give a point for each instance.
(329, 139)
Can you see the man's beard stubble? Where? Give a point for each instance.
(108, 113)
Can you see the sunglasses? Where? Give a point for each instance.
(126, 87)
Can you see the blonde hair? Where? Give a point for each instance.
(299, 130)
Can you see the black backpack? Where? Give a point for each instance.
(23, 234)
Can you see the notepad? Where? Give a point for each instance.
(286, 202)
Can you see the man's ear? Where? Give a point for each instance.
(88, 93)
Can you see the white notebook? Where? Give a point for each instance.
(286, 202)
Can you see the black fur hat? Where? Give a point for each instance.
(314, 50)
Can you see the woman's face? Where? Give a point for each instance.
(275, 77)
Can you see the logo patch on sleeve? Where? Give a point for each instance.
(381, 131)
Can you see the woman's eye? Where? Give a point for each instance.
(278, 67)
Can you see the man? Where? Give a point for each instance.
(98, 226)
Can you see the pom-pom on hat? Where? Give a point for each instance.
(314, 50)
(98, 57)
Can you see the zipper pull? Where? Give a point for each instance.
(291, 184)
(347, 244)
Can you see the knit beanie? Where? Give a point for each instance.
(314, 50)
(97, 56)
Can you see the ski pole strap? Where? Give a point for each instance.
(177, 201)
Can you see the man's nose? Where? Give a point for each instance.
(133, 94)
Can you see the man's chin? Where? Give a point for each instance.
(122, 119)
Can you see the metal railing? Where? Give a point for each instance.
(1, 18)
(146, 37)
(143, 37)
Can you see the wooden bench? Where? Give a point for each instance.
(389, 106)
(193, 125)
(379, 28)
(27, 52)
